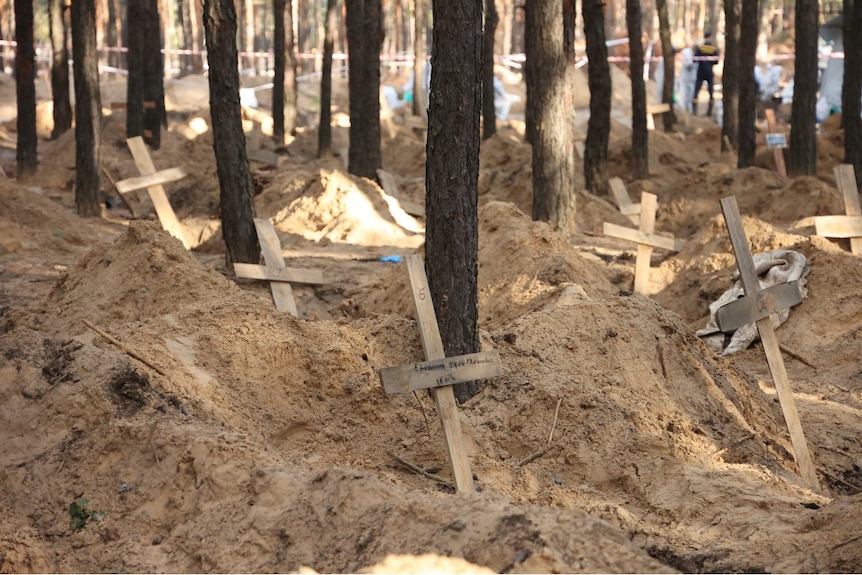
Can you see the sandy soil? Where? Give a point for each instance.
(264, 442)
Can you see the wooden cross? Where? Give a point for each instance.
(387, 180)
(849, 226)
(153, 180)
(756, 306)
(255, 152)
(655, 110)
(624, 202)
(274, 270)
(646, 240)
(439, 373)
(777, 151)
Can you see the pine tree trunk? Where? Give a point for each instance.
(452, 176)
(278, 101)
(553, 133)
(135, 61)
(364, 40)
(88, 109)
(747, 85)
(599, 79)
(489, 112)
(640, 138)
(236, 190)
(291, 109)
(324, 131)
(669, 118)
(154, 91)
(730, 76)
(25, 89)
(852, 86)
(419, 105)
(803, 131)
(59, 68)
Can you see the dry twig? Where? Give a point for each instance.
(125, 349)
(796, 355)
(538, 454)
(554, 425)
(419, 471)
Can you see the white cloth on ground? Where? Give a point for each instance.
(773, 268)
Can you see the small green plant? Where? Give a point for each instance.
(80, 514)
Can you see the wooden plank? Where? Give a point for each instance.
(445, 396)
(751, 308)
(845, 175)
(157, 194)
(632, 210)
(440, 372)
(254, 137)
(751, 285)
(263, 156)
(579, 148)
(147, 133)
(122, 197)
(275, 274)
(154, 179)
(662, 108)
(415, 122)
(282, 293)
(123, 106)
(624, 202)
(639, 237)
(649, 203)
(387, 182)
(838, 226)
(778, 153)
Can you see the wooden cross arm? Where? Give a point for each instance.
(639, 237)
(274, 274)
(630, 209)
(263, 156)
(154, 179)
(838, 226)
(441, 372)
(754, 307)
(662, 108)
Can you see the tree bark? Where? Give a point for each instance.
(489, 112)
(135, 62)
(59, 68)
(599, 79)
(88, 109)
(154, 89)
(669, 118)
(747, 84)
(284, 83)
(551, 102)
(236, 190)
(25, 90)
(419, 107)
(852, 87)
(364, 40)
(803, 119)
(640, 138)
(324, 131)
(730, 76)
(452, 177)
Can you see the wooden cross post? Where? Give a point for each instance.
(655, 110)
(387, 181)
(849, 226)
(624, 202)
(777, 150)
(153, 180)
(646, 240)
(757, 305)
(279, 276)
(255, 152)
(439, 373)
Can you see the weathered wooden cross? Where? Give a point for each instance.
(756, 306)
(122, 106)
(655, 110)
(646, 240)
(439, 373)
(255, 152)
(628, 208)
(387, 181)
(778, 145)
(274, 270)
(849, 226)
(152, 181)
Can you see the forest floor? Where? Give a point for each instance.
(266, 443)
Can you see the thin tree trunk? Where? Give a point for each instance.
(59, 68)
(248, 34)
(452, 177)
(25, 89)
(730, 76)
(599, 79)
(364, 39)
(667, 51)
(852, 87)
(489, 112)
(640, 138)
(135, 61)
(278, 101)
(154, 91)
(284, 93)
(747, 84)
(88, 109)
(324, 131)
(419, 106)
(236, 189)
(803, 131)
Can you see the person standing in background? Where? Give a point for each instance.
(706, 55)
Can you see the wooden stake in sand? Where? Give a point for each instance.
(653, 110)
(166, 214)
(387, 181)
(645, 239)
(776, 145)
(759, 307)
(624, 202)
(849, 226)
(439, 373)
(255, 152)
(279, 276)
